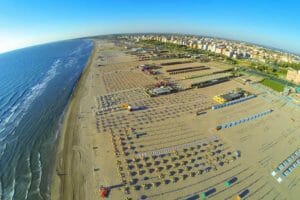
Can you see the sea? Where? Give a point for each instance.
(36, 85)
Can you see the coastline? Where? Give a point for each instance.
(61, 174)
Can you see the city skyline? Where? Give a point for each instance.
(31, 23)
(230, 48)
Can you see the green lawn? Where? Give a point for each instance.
(279, 87)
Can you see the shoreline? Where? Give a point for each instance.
(63, 151)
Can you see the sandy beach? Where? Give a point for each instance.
(75, 165)
(166, 151)
(63, 177)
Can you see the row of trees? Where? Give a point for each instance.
(271, 70)
(295, 66)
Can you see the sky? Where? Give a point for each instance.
(274, 23)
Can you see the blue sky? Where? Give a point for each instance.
(28, 22)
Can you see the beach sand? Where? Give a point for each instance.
(76, 161)
(69, 160)
(97, 146)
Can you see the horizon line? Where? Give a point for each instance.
(161, 33)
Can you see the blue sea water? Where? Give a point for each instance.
(35, 87)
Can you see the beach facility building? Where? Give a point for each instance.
(211, 82)
(293, 75)
(228, 97)
(231, 96)
(162, 90)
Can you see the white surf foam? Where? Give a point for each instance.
(29, 176)
(35, 184)
(17, 112)
(8, 193)
(15, 117)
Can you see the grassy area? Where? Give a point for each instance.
(279, 87)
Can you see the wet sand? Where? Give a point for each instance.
(64, 175)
